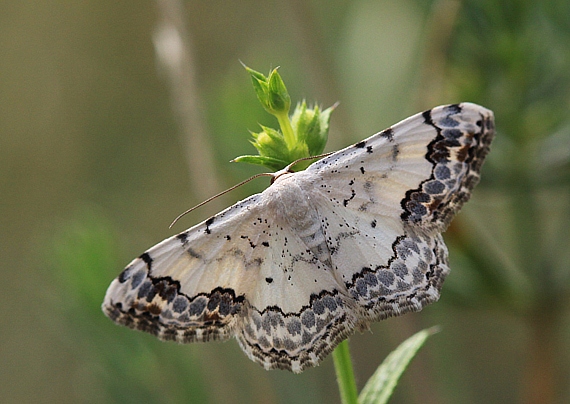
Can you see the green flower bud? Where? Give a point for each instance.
(270, 143)
(271, 91)
(280, 100)
(304, 134)
(311, 126)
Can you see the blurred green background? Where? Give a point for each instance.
(117, 116)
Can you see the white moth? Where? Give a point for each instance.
(294, 270)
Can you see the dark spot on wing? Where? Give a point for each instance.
(388, 134)
(214, 301)
(154, 309)
(308, 319)
(180, 304)
(463, 153)
(454, 108)
(147, 260)
(183, 237)
(442, 172)
(269, 280)
(427, 117)
(434, 187)
(345, 202)
(193, 253)
(147, 290)
(208, 224)
(449, 122)
(294, 327)
(212, 317)
(125, 275)
(452, 135)
(166, 290)
(138, 278)
(360, 145)
(197, 306)
(395, 152)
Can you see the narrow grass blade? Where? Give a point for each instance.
(381, 384)
(345, 374)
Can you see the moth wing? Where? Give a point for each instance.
(240, 273)
(421, 170)
(385, 200)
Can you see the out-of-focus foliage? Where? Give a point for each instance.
(95, 165)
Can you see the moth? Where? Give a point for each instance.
(292, 271)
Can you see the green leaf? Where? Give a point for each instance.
(269, 162)
(380, 386)
(318, 144)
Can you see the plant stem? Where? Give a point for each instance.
(345, 374)
(287, 130)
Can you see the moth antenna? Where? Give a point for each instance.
(274, 175)
(288, 168)
(318, 156)
(220, 194)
